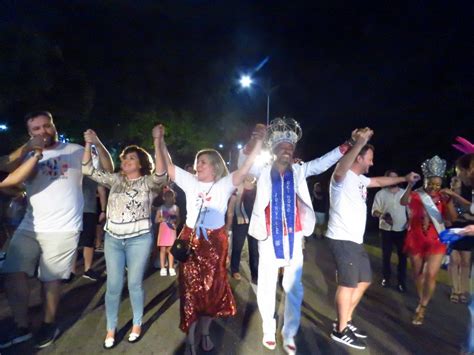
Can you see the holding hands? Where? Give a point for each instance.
(158, 132)
(412, 178)
(362, 135)
(90, 137)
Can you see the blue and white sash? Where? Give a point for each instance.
(432, 210)
(282, 207)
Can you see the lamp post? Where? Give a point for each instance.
(246, 82)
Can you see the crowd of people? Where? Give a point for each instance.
(269, 205)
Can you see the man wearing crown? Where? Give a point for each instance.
(281, 217)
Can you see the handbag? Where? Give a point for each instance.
(181, 249)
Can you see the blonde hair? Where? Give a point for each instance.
(216, 161)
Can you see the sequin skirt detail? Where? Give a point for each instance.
(203, 285)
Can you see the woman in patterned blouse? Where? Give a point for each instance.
(128, 237)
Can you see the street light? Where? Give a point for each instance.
(246, 81)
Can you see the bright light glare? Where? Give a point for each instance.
(3, 127)
(221, 145)
(245, 81)
(239, 146)
(264, 158)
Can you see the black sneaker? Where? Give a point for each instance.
(348, 338)
(91, 275)
(46, 335)
(357, 332)
(14, 335)
(71, 278)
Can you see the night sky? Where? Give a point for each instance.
(405, 70)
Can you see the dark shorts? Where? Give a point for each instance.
(464, 244)
(89, 223)
(352, 262)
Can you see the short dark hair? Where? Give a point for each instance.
(390, 171)
(365, 148)
(34, 114)
(144, 157)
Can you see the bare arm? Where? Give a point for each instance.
(103, 202)
(21, 173)
(230, 212)
(459, 199)
(105, 159)
(405, 199)
(362, 136)
(258, 136)
(162, 156)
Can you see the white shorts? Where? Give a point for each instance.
(51, 253)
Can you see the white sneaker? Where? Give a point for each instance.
(163, 272)
(172, 271)
(269, 341)
(289, 346)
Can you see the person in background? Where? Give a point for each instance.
(320, 201)
(167, 217)
(392, 230)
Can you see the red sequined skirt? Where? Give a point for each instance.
(203, 285)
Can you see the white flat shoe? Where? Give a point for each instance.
(109, 343)
(269, 341)
(289, 346)
(133, 337)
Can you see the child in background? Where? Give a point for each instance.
(167, 217)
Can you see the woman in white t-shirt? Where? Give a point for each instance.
(204, 289)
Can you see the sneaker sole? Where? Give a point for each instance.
(362, 336)
(339, 340)
(89, 278)
(56, 333)
(17, 340)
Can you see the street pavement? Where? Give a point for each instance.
(384, 314)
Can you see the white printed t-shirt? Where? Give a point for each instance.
(348, 209)
(55, 191)
(215, 198)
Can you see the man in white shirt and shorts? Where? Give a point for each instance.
(347, 218)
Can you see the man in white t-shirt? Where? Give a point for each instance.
(392, 225)
(347, 217)
(47, 237)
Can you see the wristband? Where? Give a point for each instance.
(39, 156)
(161, 174)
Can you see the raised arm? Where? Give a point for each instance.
(257, 136)
(24, 171)
(102, 177)
(13, 160)
(405, 199)
(105, 159)
(162, 157)
(361, 138)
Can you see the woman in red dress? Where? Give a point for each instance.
(204, 289)
(428, 211)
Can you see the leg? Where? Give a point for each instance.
(190, 340)
(206, 341)
(386, 238)
(170, 258)
(162, 257)
(357, 296)
(115, 263)
(433, 264)
(253, 256)
(454, 273)
(239, 231)
(137, 251)
(399, 240)
(465, 271)
(293, 288)
(18, 292)
(52, 295)
(344, 296)
(417, 263)
(88, 253)
(266, 289)
(74, 261)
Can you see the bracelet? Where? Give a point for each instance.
(351, 142)
(39, 156)
(161, 174)
(87, 162)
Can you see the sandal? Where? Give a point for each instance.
(109, 343)
(206, 343)
(419, 316)
(454, 298)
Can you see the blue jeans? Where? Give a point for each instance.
(132, 253)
